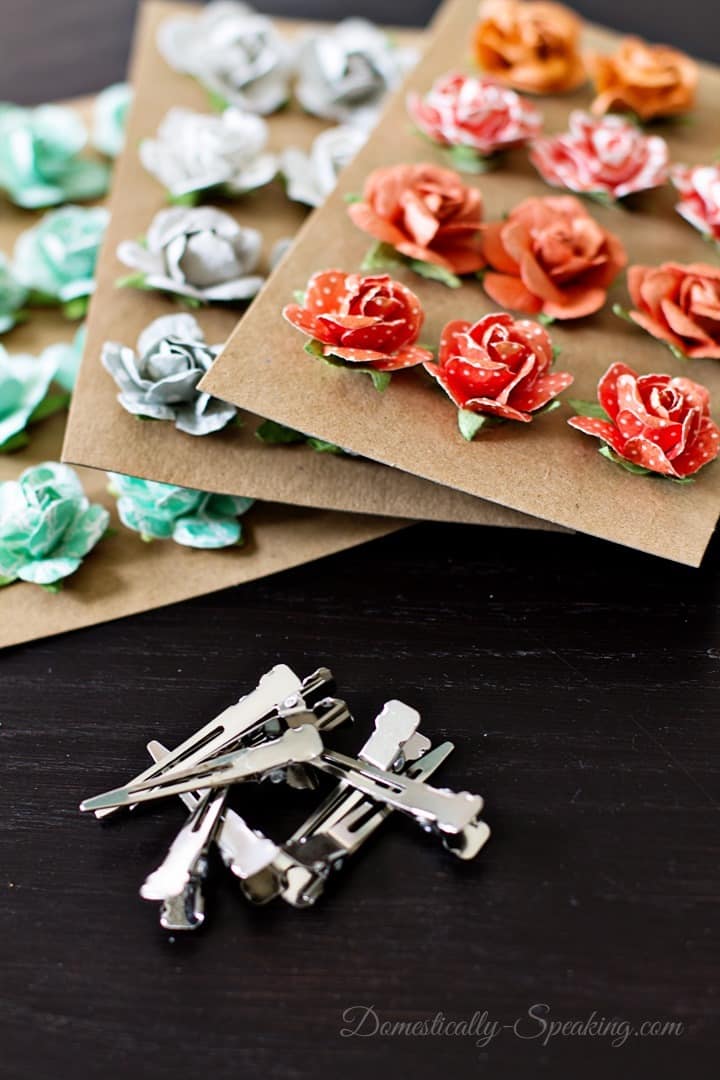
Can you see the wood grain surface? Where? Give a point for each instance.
(579, 682)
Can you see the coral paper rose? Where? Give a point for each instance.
(608, 157)
(497, 367)
(551, 257)
(361, 319)
(699, 190)
(476, 117)
(680, 305)
(652, 423)
(425, 213)
(532, 46)
(648, 80)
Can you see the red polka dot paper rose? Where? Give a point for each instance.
(651, 423)
(679, 305)
(425, 214)
(365, 321)
(699, 190)
(606, 158)
(474, 117)
(497, 367)
(551, 257)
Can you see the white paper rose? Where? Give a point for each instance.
(311, 177)
(110, 111)
(344, 73)
(235, 53)
(199, 253)
(195, 151)
(159, 378)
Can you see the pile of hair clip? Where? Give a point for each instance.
(277, 732)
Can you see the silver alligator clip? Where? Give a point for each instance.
(344, 820)
(297, 745)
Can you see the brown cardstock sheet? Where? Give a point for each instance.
(544, 468)
(123, 575)
(102, 435)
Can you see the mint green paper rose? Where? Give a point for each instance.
(109, 117)
(195, 519)
(39, 162)
(56, 258)
(24, 385)
(47, 525)
(13, 296)
(66, 359)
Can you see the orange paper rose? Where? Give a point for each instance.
(425, 213)
(531, 46)
(551, 257)
(680, 305)
(649, 80)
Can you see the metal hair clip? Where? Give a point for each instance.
(279, 702)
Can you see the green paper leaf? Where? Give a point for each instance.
(190, 198)
(36, 298)
(546, 320)
(15, 442)
(470, 423)
(557, 351)
(588, 408)
(323, 447)
(550, 407)
(380, 379)
(468, 160)
(381, 257)
(217, 101)
(274, 434)
(50, 405)
(629, 466)
(299, 297)
(56, 587)
(133, 281)
(6, 581)
(433, 272)
(314, 348)
(602, 198)
(191, 302)
(351, 197)
(622, 313)
(677, 353)
(77, 308)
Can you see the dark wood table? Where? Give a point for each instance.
(578, 681)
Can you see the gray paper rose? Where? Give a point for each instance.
(199, 253)
(310, 178)
(235, 53)
(193, 152)
(344, 73)
(159, 378)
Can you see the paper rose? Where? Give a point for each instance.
(426, 214)
(651, 423)
(24, 384)
(497, 367)
(192, 518)
(699, 190)
(679, 305)
(648, 80)
(475, 117)
(533, 46)
(159, 379)
(367, 321)
(310, 178)
(47, 525)
(13, 296)
(344, 73)
(199, 253)
(39, 162)
(110, 111)
(551, 257)
(193, 152)
(608, 158)
(235, 53)
(56, 258)
(66, 357)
